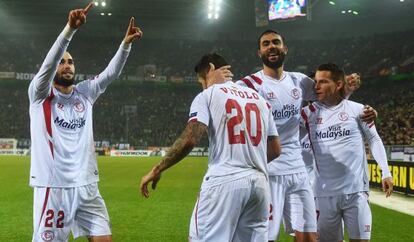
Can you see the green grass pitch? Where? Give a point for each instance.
(164, 216)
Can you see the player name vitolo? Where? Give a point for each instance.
(333, 132)
(241, 94)
(72, 124)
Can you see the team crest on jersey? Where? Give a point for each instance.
(295, 93)
(79, 107)
(343, 116)
(48, 235)
(193, 114)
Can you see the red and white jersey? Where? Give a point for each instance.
(285, 96)
(239, 122)
(337, 136)
(62, 151)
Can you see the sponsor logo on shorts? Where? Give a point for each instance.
(48, 235)
(367, 228)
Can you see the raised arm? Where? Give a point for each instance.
(191, 135)
(115, 66)
(41, 84)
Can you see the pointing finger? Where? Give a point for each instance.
(131, 23)
(86, 10)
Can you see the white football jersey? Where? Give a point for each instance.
(337, 136)
(239, 122)
(285, 96)
(62, 149)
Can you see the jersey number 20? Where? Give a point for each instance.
(238, 119)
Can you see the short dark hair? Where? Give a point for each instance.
(336, 72)
(270, 31)
(203, 65)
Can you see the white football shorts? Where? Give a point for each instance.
(292, 199)
(352, 208)
(236, 210)
(59, 211)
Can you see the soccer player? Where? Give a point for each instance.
(233, 204)
(63, 169)
(337, 134)
(292, 196)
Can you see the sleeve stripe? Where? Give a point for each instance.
(312, 108)
(371, 124)
(304, 116)
(248, 83)
(268, 105)
(256, 79)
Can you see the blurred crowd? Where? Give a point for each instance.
(380, 54)
(153, 114)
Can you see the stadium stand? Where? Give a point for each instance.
(153, 114)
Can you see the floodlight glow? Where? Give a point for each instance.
(103, 4)
(96, 3)
(332, 2)
(401, 0)
(109, 14)
(213, 9)
(355, 12)
(343, 11)
(349, 11)
(102, 14)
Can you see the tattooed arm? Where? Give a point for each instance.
(181, 148)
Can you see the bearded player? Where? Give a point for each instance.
(63, 170)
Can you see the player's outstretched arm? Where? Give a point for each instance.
(191, 135)
(41, 84)
(117, 63)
